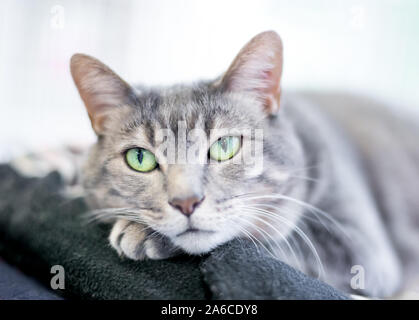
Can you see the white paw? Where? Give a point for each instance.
(134, 241)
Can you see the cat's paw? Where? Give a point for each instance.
(134, 241)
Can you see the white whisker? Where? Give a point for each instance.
(107, 214)
(279, 233)
(263, 233)
(313, 209)
(256, 239)
(300, 232)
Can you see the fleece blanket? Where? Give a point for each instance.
(40, 229)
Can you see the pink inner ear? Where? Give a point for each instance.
(258, 68)
(266, 74)
(270, 93)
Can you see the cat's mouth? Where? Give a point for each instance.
(194, 231)
(195, 240)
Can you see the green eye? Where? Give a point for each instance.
(224, 148)
(141, 159)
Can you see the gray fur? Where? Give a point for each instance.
(299, 136)
(346, 173)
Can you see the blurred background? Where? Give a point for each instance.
(365, 46)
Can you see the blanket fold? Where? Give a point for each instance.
(40, 229)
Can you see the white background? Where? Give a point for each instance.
(369, 46)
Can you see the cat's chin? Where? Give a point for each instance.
(199, 242)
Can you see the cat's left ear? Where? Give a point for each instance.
(103, 92)
(257, 70)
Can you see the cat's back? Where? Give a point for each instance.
(373, 125)
(386, 139)
(387, 143)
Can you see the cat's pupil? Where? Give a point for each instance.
(224, 144)
(140, 156)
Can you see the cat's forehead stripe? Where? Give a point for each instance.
(198, 106)
(149, 132)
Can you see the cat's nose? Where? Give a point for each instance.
(187, 205)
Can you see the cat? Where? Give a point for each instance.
(336, 196)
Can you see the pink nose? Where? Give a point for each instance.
(187, 205)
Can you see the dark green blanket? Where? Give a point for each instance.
(40, 229)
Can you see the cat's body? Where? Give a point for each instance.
(380, 173)
(367, 178)
(335, 195)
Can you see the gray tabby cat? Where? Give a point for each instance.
(337, 196)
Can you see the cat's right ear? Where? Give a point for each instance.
(102, 90)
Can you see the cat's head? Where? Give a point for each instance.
(196, 204)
